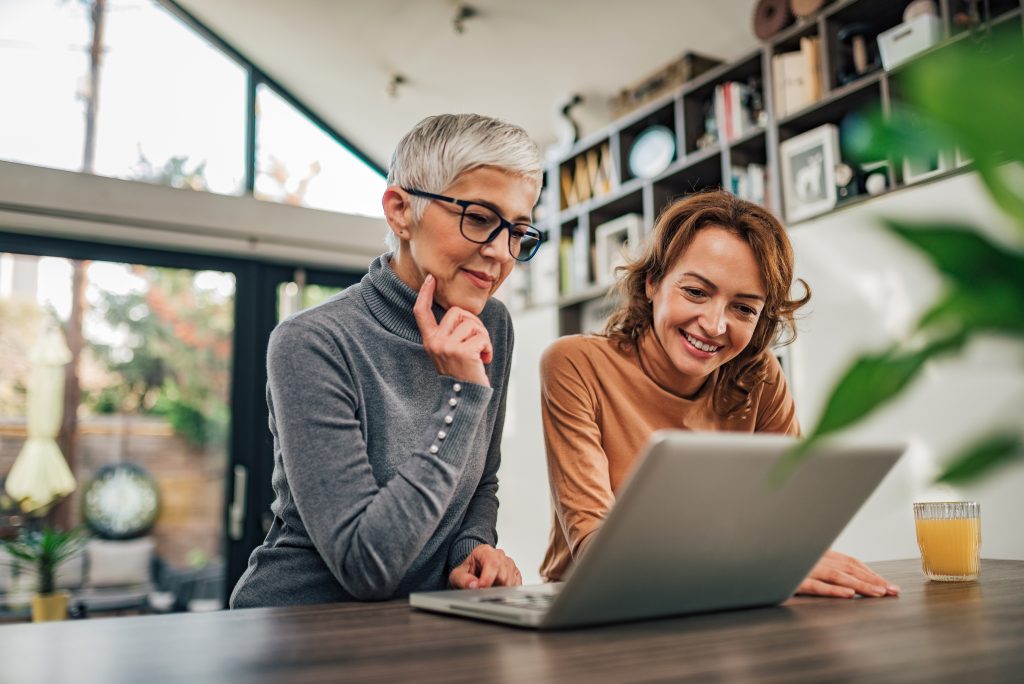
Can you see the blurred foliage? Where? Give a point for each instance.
(44, 550)
(175, 360)
(970, 95)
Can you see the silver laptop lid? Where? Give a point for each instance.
(702, 526)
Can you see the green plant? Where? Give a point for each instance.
(44, 550)
(969, 94)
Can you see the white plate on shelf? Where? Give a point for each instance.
(652, 152)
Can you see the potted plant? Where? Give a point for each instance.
(44, 551)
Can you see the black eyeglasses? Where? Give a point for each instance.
(480, 223)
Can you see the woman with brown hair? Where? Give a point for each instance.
(688, 348)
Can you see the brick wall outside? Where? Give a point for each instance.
(190, 480)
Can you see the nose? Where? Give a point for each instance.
(712, 321)
(496, 249)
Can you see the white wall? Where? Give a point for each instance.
(868, 288)
(524, 513)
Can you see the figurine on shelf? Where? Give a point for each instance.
(710, 135)
(858, 51)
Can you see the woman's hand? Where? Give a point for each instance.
(843, 576)
(459, 345)
(485, 566)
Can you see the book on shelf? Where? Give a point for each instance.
(565, 263)
(749, 183)
(580, 259)
(568, 188)
(587, 175)
(732, 110)
(796, 77)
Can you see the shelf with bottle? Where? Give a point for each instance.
(843, 83)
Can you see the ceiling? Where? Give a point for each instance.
(520, 61)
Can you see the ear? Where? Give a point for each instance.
(650, 289)
(397, 211)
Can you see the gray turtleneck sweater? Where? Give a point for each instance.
(385, 472)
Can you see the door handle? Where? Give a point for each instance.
(236, 512)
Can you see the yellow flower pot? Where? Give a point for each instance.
(50, 607)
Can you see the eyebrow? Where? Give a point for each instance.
(710, 284)
(494, 207)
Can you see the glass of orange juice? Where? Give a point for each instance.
(949, 534)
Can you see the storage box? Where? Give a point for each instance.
(902, 42)
(672, 75)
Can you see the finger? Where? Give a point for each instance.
(517, 580)
(503, 576)
(858, 570)
(837, 577)
(423, 310)
(462, 577)
(489, 566)
(874, 578)
(814, 587)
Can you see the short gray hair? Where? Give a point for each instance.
(441, 148)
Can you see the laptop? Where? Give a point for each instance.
(700, 526)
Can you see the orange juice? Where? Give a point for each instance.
(949, 548)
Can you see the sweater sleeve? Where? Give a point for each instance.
(577, 463)
(478, 527)
(776, 411)
(368, 535)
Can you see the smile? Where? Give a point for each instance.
(697, 344)
(482, 280)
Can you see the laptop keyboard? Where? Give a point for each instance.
(525, 600)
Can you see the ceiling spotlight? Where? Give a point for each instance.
(395, 81)
(462, 13)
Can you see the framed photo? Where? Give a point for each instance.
(919, 168)
(808, 172)
(616, 242)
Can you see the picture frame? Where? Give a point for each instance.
(616, 242)
(808, 172)
(917, 169)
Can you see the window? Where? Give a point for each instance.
(171, 106)
(154, 374)
(44, 57)
(298, 163)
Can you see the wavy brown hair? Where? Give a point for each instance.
(674, 231)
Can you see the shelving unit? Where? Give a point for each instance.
(684, 111)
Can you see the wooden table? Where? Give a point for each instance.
(971, 632)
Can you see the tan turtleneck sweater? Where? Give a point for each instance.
(599, 406)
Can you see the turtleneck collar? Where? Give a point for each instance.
(657, 365)
(390, 300)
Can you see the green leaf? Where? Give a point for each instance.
(963, 254)
(986, 279)
(871, 382)
(983, 457)
(981, 309)
(975, 90)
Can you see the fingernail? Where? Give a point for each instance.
(881, 591)
(474, 584)
(894, 589)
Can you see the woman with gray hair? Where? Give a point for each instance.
(387, 401)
